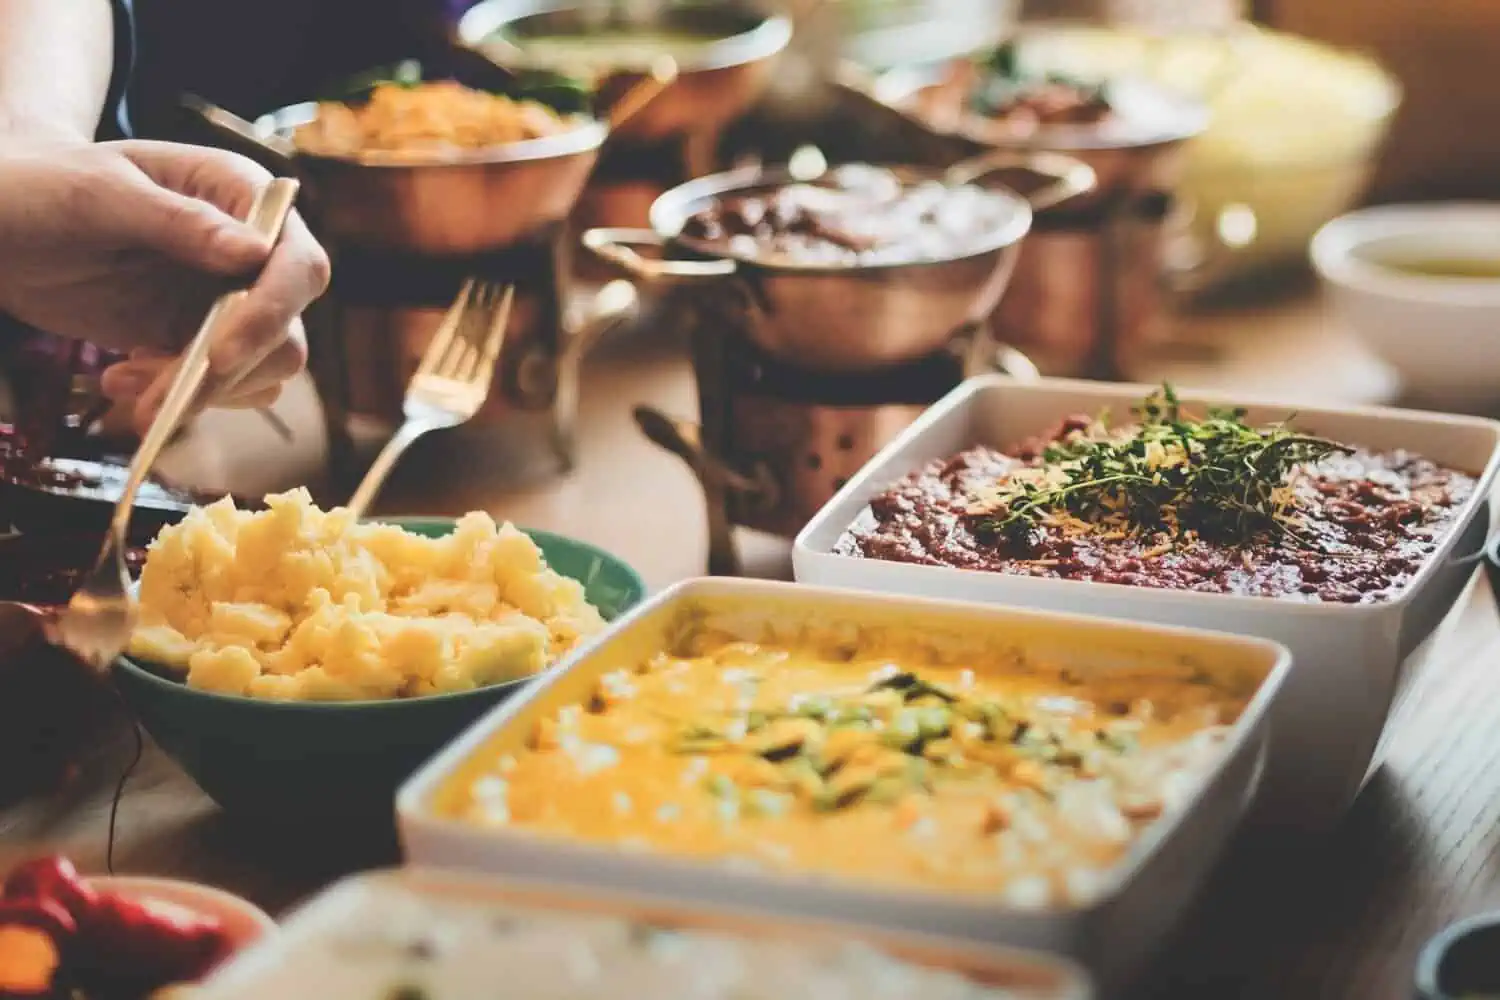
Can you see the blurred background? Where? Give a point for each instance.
(1263, 122)
(1443, 52)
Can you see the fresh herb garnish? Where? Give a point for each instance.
(1214, 476)
(566, 95)
(912, 687)
(1005, 79)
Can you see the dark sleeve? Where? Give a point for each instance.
(114, 123)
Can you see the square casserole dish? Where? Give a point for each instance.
(1352, 660)
(1137, 902)
(434, 933)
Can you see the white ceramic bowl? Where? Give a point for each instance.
(1351, 661)
(1441, 334)
(1114, 934)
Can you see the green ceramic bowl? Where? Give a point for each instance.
(328, 762)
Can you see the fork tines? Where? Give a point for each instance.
(480, 313)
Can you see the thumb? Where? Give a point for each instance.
(187, 230)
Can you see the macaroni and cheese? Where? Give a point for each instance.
(295, 603)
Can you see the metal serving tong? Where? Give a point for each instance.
(97, 623)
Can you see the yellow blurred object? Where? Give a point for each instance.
(1445, 53)
(297, 604)
(28, 962)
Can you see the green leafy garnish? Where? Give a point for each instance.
(1215, 476)
(1004, 79)
(564, 94)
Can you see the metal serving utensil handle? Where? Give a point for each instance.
(268, 213)
(714, 475)
(661, 75)
(273, 152)
(987, 355)
(683, 439)
(1011, 361)
(617, 247)
(1070, 177)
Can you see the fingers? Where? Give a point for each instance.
(286, 359)
(129, 379)
(296, 274)
(145, 407)
(163, 211)
(143, 381)
(191, 215)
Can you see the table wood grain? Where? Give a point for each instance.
(1341, 919)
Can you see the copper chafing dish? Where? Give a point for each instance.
(723, 67)
(722, 70)
(459, 203)
(406, 232)
(1136, 150)
(844, 317)
(1090, 293)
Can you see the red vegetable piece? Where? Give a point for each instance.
(126, 942)
(52, 878)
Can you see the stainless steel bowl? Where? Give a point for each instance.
(844, 317)
(722, 78)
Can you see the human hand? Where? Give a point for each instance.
(127, 244)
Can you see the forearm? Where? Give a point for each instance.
(56, 58)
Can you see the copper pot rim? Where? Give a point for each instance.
(672, 209)
(1166, 118)
(768, 36)
(585, 138)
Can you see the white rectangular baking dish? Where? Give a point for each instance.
(1113, 936)
(1349, 658)
(295, 964)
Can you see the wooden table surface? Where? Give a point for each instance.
(1339, 920)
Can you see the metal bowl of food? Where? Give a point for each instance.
(724, 53)
(431, 168)
(850, 267)
(1296, 127)
(1131, 131)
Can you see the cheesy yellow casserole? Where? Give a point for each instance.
(883, 760)
(296, 603)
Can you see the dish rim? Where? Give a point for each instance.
(413, 800)
(211, 901)
(1335, 252)
(876, 475)
(533, 893)
(1434, 952)
(671, 210)
(1176, 117)
(140, 670)
(584, 138)
(768, 36)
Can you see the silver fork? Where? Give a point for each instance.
(453, 380)
(97, 622)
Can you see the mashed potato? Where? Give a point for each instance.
(295, 603)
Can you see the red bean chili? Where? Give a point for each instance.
(1371, 519)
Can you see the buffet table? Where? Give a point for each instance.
(1343, 919)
